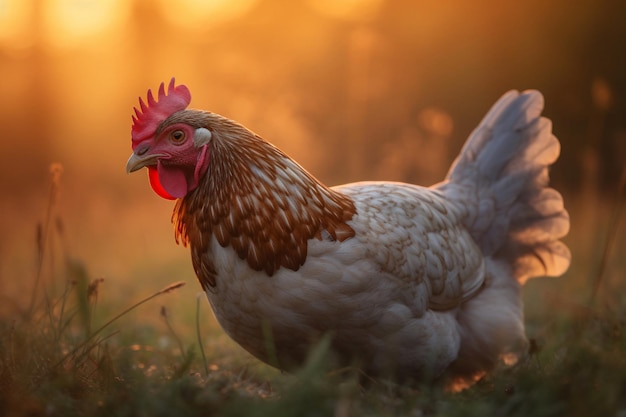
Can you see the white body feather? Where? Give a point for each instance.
(431, 279)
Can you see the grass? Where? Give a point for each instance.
(73, 352)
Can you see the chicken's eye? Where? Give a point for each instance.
(177, 137)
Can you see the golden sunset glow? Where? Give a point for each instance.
(203, 14)
(347, 9)
(15, 23)
(69, 23)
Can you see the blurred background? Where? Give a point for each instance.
(352, 89)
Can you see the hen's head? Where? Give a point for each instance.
(170, 141)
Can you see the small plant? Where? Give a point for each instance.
(50, 355)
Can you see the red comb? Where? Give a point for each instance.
(146, 121)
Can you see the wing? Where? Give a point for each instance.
(415, 235)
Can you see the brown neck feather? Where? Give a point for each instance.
(258, 201)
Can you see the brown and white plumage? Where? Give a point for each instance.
(408, 281)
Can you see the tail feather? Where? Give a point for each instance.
(501, 178)
(533, 244)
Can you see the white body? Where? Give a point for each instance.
(396, 321)
(431, 279)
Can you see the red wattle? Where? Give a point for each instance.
(153, 175)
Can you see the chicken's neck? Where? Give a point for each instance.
(261, 203)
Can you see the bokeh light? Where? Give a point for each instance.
(16, 23)
(68, 23)
(199, 15)
(347, 9)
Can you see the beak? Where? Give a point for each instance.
(136, 162)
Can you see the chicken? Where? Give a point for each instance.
(409, 282)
